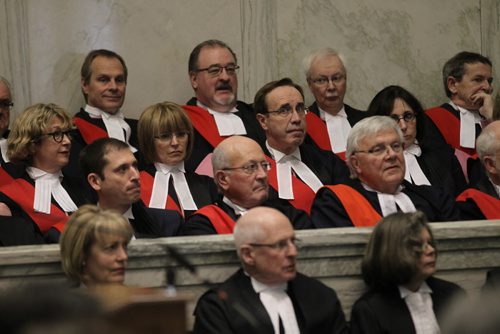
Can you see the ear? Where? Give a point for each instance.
(85, 86)
(95, 181)
(489, 164)
(353, 160)
(262, 119)
(451, 83)
(246, 255)
(222, 179)
(193, 79)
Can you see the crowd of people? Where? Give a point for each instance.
(217, 165)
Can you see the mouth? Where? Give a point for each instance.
(119, 271)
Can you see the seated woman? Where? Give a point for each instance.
(427, 161)
(94, 246)
(398, 265)
(166, 140)
(40, 142)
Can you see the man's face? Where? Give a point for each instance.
(245, 189)
(327, 81)
(218, 92)
(5, 98)
(275, 263)
(120, 184)
(383, 172)
(476, 79)
(284, 132)
(106, 87)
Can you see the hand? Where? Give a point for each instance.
(485, 101)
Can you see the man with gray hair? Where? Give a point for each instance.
(329, 119)
(268, 295)
(378, 188)
(482, 201)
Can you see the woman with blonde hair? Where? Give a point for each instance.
(40, 143)
(94, 246)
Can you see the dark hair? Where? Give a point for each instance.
(392, 253)
(383, 103)
(260, 105)
(455, 67)
(92, 157)
(212, 43)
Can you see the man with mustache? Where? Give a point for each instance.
(299, 169)
(378, 187)
(329, 119)
(215, 111)
(268, 295)
(467, 79)
(104, 82)
(240, 172)
(111, 171)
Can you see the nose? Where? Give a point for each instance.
(174, 140)
(402, 124)
(223, 74)
(134, 173)
(292, 249)
(122, 254)
(487, 86)
(261, 172)
(112, 84)
(330, 85)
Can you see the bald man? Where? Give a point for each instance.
(240, 172)
(268, 295)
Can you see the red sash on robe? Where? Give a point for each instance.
(90, 132)
(23, 193)
(489, 205)
(318, 131)
(5, 178)
(303, 195)
(360, 211)
(204, 123)
(147, 181)
(221, 221)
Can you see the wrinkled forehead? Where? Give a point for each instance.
(4, 91)
(283, 95)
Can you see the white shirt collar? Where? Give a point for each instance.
(340, 113)
(278, 155)
(239, 210)
(424, 288)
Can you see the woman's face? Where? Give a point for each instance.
(409, 128)
(50, 155)
(106, 261)
(427, 260)
(170, 148)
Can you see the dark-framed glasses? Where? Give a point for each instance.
(216, 70)
(58, 135)
(407, 117)
(168, 136)
(324, 80)
(6, 104)
(252, 167)
(286, 110)
(280, 245)
(382, 149)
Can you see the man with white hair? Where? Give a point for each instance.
(329, 119)
(375, 157)
(268, 295)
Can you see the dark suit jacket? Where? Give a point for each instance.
(198, 224)
(154, 223)
(469, 209)
(234, 307)
(328, 211)
(202, 147)
(386, 312)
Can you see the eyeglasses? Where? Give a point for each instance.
(323, 81)
(59, 135)
(286, 110)
(168, 136)
(6, 104)
(216, 70)
(280, 245)
(407, 117)
(252, 168)
(382, 148)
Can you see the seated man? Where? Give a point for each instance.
(240, 173)
(215, 110)
(375, 157)
(329, 119)
(268, 295)
(482, 201)
(111, 171)
(281, 113)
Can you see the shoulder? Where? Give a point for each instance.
(444, 286)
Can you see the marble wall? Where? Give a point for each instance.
(43, 43)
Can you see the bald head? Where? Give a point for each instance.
(231, 149)
(488, 149)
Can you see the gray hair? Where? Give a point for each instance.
(6, 82)
(488, 142)
(320, 54)
(367, 127)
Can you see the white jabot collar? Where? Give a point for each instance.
(228, 124)
(3, 149)
(338, 129)
(468, 121)
(420, 305)
(414, 173)
(388, 201)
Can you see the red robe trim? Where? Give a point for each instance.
(489, 205)
(318, 131)
(221, 221)
(23, 193)
(147, 181)
(204, 123)
(360, 211)
(5, 178)
(90, 132)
